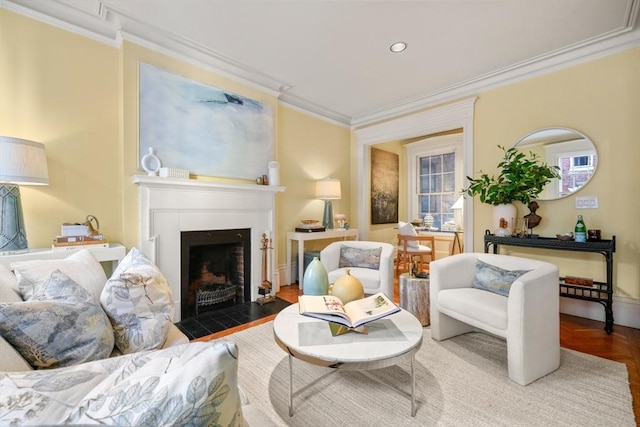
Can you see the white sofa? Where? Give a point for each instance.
(528, 318)
(177, 384)
(374, 280)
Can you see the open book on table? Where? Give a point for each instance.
(353, 314)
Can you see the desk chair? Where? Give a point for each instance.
(409, 247)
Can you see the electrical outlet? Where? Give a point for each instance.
(590, 202)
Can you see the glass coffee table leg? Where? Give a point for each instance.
(291, 386)
(413, 387)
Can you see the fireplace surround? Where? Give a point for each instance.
(169, 206)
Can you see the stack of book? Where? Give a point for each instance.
(74, 236)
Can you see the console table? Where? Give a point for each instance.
(601, 292)
(302, 237)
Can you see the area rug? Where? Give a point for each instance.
(459, 382)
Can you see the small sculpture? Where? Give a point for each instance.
(532, 218)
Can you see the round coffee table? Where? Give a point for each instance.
(389, 341)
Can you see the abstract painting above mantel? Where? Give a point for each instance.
(202, 129)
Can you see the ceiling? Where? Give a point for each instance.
(332, 58)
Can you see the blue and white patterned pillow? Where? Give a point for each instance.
(494, 279)
(139, 303)
(61, 325)
(356, 257)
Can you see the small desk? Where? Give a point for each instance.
(302, 237)
(114, 253)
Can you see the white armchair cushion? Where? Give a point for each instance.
(61, 325)
(369, 278)
(476, 307)
(139, 303)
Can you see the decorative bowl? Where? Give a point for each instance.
(565, 236)
(309, 221)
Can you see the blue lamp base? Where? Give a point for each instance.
(327, 220)
(13, 237)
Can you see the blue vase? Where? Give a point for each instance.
(316, 279)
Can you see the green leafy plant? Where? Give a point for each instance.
(522, 178)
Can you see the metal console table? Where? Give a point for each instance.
(601, 292)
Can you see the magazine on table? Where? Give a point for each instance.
(353, 314)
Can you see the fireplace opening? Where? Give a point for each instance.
(215, 270)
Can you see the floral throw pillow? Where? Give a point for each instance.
(193, 384)
(494, 279)
(61, 325)
(139, 303)
(356, 257)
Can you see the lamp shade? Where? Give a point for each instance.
(22, 162)
(459, 204)
(328, 189)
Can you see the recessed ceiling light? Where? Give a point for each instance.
(398, 47)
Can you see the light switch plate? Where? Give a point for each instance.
(590, 202)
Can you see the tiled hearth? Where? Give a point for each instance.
(169, 206)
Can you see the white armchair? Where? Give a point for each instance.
(528, 318)
(373, 280)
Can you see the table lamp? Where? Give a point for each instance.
(458, 209)
(328, 189)
(22, 162)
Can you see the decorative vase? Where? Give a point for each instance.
(347, 288)
(316, 279)
(504, 219)
(151, 163)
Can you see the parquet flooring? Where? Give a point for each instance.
(576, 333)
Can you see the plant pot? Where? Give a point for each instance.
(504, 219)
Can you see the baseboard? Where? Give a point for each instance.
(626, 311)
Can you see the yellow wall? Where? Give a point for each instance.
(600, 98)
(62, 90)
(309, 149)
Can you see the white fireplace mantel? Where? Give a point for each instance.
(168, 206)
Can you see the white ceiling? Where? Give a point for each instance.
(332, 58)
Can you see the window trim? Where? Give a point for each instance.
(428, 147)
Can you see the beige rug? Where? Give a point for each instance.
(459, 382)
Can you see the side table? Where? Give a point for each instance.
(414, 297)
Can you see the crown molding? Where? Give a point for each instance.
(105, 24)
(610, 44)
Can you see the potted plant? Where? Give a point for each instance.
(522, 178)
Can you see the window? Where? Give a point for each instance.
(436, 193)
(435, 179)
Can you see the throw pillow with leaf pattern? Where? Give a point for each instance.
(139, 303)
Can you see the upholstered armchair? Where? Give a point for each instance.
(467, 294)
(369, 262)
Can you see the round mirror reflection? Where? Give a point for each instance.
(568, 149)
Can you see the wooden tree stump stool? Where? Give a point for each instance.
(414, 297)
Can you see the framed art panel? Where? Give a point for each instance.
(202, 129)
(384, 186)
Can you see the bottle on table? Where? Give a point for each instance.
(580, 232)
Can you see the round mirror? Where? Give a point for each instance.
(568, 149)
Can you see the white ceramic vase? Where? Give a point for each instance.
(505, 215)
